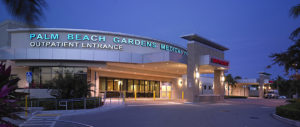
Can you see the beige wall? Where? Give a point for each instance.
(20, 72)
(238, 90)
(195, 50)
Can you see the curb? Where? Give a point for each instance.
(81, 111)
(286, 120)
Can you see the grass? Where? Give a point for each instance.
(291, 111)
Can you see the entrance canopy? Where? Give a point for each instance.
(161, 71)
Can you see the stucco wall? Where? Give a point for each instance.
(21, 48)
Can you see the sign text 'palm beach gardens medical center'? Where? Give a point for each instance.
(70, 40)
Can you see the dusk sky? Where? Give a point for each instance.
(251, 29)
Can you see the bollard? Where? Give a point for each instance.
(124, 96)
(135, 95)
(84, 103)
(182, 95)
(169, 95)
(26, 105)
(153, 95)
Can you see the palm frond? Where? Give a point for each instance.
(295, 11)
(29, 11)
(295, 34)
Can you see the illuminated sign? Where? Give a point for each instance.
(95, 41)
(220, 62)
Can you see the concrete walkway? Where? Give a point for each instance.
(41, 120)
(258, 101)
(166, 113)
(151, 101)
(49, 118)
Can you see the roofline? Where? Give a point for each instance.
(197, 38)
(264, 73)
(91, 31)
(4, 22)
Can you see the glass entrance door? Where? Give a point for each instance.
(166, 89)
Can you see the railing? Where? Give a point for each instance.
(247, 81)
(74, 103)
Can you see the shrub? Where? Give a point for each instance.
(9, 98)
(54, 104)
(241, 97)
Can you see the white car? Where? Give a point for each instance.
(282, 97)
(272, 94)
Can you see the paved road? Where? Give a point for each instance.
(180, 115)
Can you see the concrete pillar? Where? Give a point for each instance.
(261, 86)
(95, 75)
(262, 77)
(192, 89)
(219, 87)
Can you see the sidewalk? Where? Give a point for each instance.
(49, 118)
(151, 101)
(108, 105)
(258, 101)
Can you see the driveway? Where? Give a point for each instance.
(177, 114)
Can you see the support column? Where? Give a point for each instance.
(219, 87)
(95, 82)
(192, 89)
(262, 77)
(261, 86)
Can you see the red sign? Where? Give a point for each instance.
(221, 62)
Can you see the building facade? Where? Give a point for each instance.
(113, 62)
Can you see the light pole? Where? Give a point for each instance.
(228, 88)
(244, 86)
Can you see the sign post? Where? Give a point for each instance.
(29, 80)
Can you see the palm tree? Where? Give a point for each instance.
(29, 11)
(290, 59)
(230, 81)
(69, 86)
(295, 12)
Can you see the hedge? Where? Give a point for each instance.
(241, 97)
(52, 105)
(291, 111)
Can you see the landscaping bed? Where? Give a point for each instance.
(238, 97)
(53, 104)
(291, 111)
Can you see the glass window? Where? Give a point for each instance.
(142, 86)
(157, 88)
(56, 71)
(136, 85)
(80, 70)
(46, 70)
(147, 86)
(68, 71)
(46, 78)
(109, 84)
(130, 85)
(44, 75)
(102, 84)
(152, 86)
(35, 77)
(124, 85)
(117, 84)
